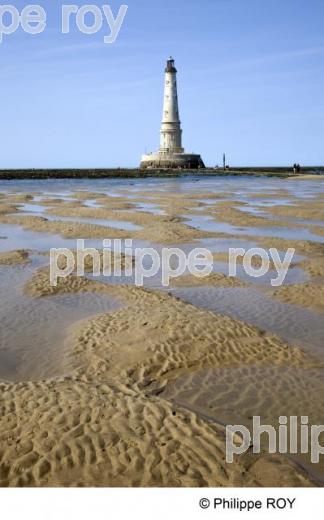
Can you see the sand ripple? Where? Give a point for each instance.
(104, 420)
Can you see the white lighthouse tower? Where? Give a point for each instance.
(171, 153)
(171, 133)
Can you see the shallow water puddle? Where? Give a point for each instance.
(206, 223)
(16, 237)
(236, 395)
(91, 203)
(255, 201)
(253, 210)
(32, 209)
(149, 208)
(295, 275)
(33, 330)
(36, 210)
(291, 322)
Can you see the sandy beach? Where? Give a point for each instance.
(104, 383)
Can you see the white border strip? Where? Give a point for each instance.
(156, 504)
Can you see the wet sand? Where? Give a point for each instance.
(14, 257)
(138, 385)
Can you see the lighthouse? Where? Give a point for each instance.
(171, 153)
(171, 133)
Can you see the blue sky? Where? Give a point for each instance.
(251, 83)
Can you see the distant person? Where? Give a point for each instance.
(295, 168)
(298, 168)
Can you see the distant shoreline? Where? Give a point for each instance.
(113, 173)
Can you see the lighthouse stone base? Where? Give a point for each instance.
(172, 160)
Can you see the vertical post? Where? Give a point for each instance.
(224, 161)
